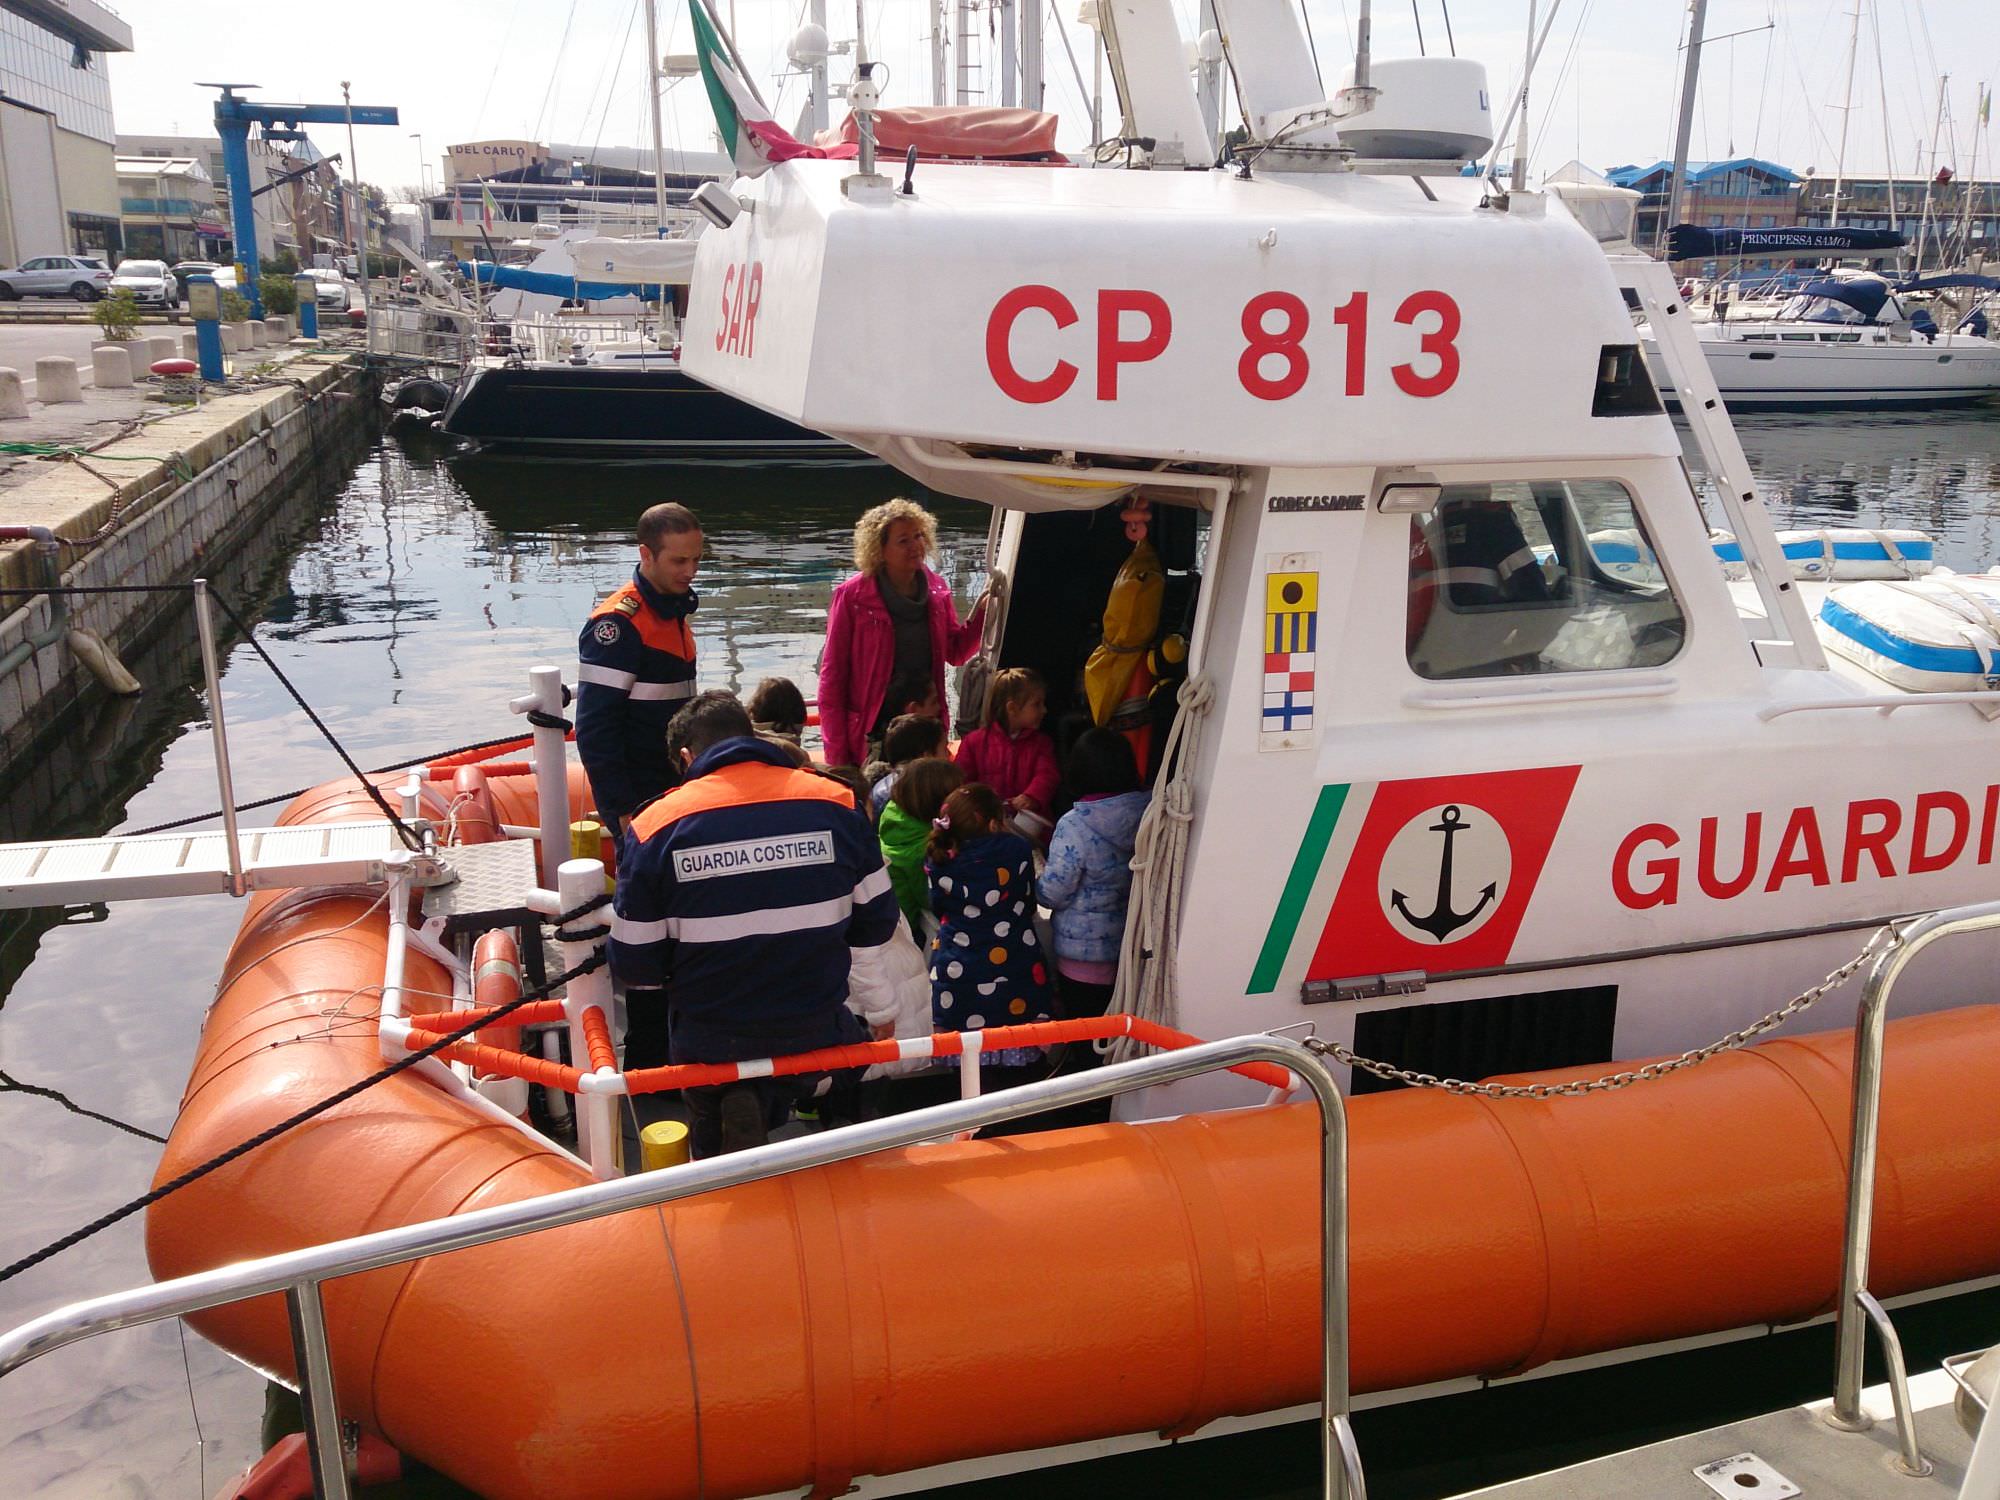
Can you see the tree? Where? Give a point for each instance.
(117, 315)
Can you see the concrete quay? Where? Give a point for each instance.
(159, 505)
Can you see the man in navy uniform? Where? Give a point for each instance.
(636, 667)
(755, 894)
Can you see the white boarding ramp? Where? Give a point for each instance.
(68, 871)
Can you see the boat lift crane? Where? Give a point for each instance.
(234, 115)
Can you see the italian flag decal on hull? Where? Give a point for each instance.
(1433, 873)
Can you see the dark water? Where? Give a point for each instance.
(406, 599)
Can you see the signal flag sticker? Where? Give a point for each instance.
(1291, 634)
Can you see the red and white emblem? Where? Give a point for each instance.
(1442, 871)
(606, 630)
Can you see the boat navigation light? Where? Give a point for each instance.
(717, 204)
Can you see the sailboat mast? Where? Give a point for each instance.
(1968, 185)
(653, 107)
(937, 51)
(1009, 81)
(1930, 181)
(962, 41)
(1031, 53)
(821, 113)
(1882, 90)
(1690, 73)
(1846, 111)
(1521, 104)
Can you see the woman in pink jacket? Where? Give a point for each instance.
(890, 632)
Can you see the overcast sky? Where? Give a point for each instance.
(571, 71)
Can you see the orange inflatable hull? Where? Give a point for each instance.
(949, 1301)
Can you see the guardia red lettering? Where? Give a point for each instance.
(1871, 838)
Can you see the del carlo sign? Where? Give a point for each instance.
(477, 159)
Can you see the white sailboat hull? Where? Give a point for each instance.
(1770, 373)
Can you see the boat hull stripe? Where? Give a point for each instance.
(1298, 887)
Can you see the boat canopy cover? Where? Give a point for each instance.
(635, 260)
(1693, 241)
(549, 284)
(1865, 294)
(1950, 279)
(956, 130)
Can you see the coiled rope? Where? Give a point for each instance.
(1148, 969)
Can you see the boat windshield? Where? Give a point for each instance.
(1820, 310)
(1545, 576)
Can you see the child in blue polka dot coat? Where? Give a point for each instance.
(986, 967)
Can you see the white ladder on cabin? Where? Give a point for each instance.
(1722, 451)
(69, 871)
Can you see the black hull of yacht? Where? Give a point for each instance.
(600, 411)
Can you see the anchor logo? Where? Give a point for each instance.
(1438, 848)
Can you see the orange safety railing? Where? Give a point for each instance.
(940, 1044)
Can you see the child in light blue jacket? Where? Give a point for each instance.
(1088, 879)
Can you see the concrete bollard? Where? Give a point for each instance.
(13, 398)
(234, 339)
(161, 346)
(191, 346)
(280, 329)
(259, 334)
(110, 366)
(56, 380)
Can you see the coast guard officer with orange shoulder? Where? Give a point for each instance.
(636, 668)
(753, 919)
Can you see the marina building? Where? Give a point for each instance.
(1879, 202)
(58, 151)
(295, 188)
(1745, 192)
(167, 207)
(512, 193)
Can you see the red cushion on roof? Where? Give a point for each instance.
(958, 130)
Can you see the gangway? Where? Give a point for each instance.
(61, 872)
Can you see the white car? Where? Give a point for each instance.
(149, 282)
(333, 288)
(83, 278)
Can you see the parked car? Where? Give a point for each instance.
(149, 282)
(333, 288)
(186, 268)
(83, 278)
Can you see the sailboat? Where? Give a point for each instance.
(1845, 339)
(596, 387)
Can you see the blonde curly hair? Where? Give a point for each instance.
(873, 529)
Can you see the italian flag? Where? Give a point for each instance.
(752, 138)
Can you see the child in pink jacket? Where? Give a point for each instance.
(1010, 753)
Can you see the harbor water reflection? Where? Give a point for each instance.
(407, 604)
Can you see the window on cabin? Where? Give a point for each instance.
(1525, 578)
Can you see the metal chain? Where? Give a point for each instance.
(1576, 1088)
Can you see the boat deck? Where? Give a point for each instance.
(1791, 1452)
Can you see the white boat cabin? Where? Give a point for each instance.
(1468, 788)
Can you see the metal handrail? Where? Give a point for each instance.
(298, 1273)
(1858, 1310)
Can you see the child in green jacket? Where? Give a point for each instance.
(905, 827)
